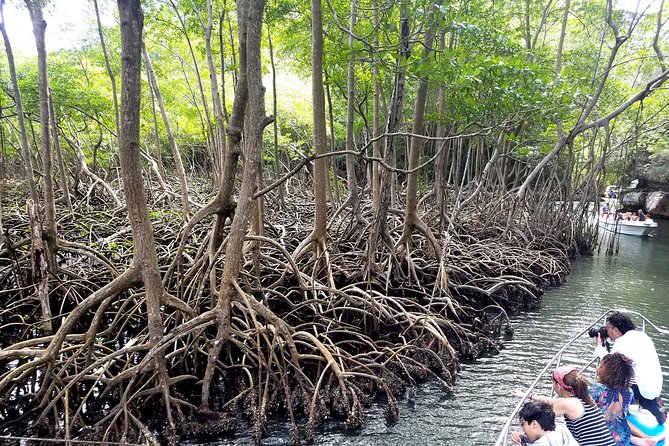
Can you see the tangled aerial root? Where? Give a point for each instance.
(307, 339)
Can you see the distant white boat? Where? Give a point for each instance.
(644, 228)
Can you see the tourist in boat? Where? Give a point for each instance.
(641, 215)
(584, 420)
(606, 209)
(637, 346)
(613, 396)
(538, 422)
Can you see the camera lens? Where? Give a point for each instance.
(594, 331)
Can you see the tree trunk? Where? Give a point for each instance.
(379, 225)
(563, 34)
(25, 148)
(181, 173)
(353, 199)
(318, 235)
(45, 241)
(215, 155)
(219, 132)
(250, 14)
(154, 115)
(145, 256)
(59, 156)
(415, 149)
(376, 121)
(275, 124)
(50, 234)
(110, 73)
(319, 136)
(440, 165)
(333, 198)
(221, 48)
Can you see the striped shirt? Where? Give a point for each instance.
(590, 428)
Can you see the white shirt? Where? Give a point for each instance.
(637, 346)
(559, 437)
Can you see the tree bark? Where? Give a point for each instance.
(219, 133)
(145, 256)
(318, 236)
(379, 225)
(178, 164)
(110, 73)
(319, 137)
(376, 112)
(353, 200)
(250, 14)
(275, 124)
(50, 234)
(415, 149)
(59, 155)
(25, 147)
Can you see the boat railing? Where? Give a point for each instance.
(556, 361)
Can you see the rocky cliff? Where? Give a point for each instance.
(654, 203)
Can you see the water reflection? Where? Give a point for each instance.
(637, 279)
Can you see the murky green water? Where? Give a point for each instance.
(636, 279)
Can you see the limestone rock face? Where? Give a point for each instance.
(634, 200)
(657, 203)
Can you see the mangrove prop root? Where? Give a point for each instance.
(321, 335)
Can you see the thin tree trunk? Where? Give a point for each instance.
(49, 224)
(376, 112)
(110, 73)
(440, 164)
(658, 30)
(317, 238)
(178, 164)
(145, 257)
(319, 136)
(159, 152)
(379, 225)
(563, 34)
(44, 236)
(219, 133)
(353, 199)
(234, 55)
(334, 183)
(250, 14)
(415, 149)
(25, 147)
(196, 67)
(275, 123)
(221, 47)
(59, 156)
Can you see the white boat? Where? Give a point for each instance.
(573, 348)
(645, 228)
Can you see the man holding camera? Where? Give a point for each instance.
(637, 346)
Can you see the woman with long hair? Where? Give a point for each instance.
(584, 420)
(613, 395)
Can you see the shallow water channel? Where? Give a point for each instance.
(636, 279)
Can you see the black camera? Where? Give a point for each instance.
(594, 331)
